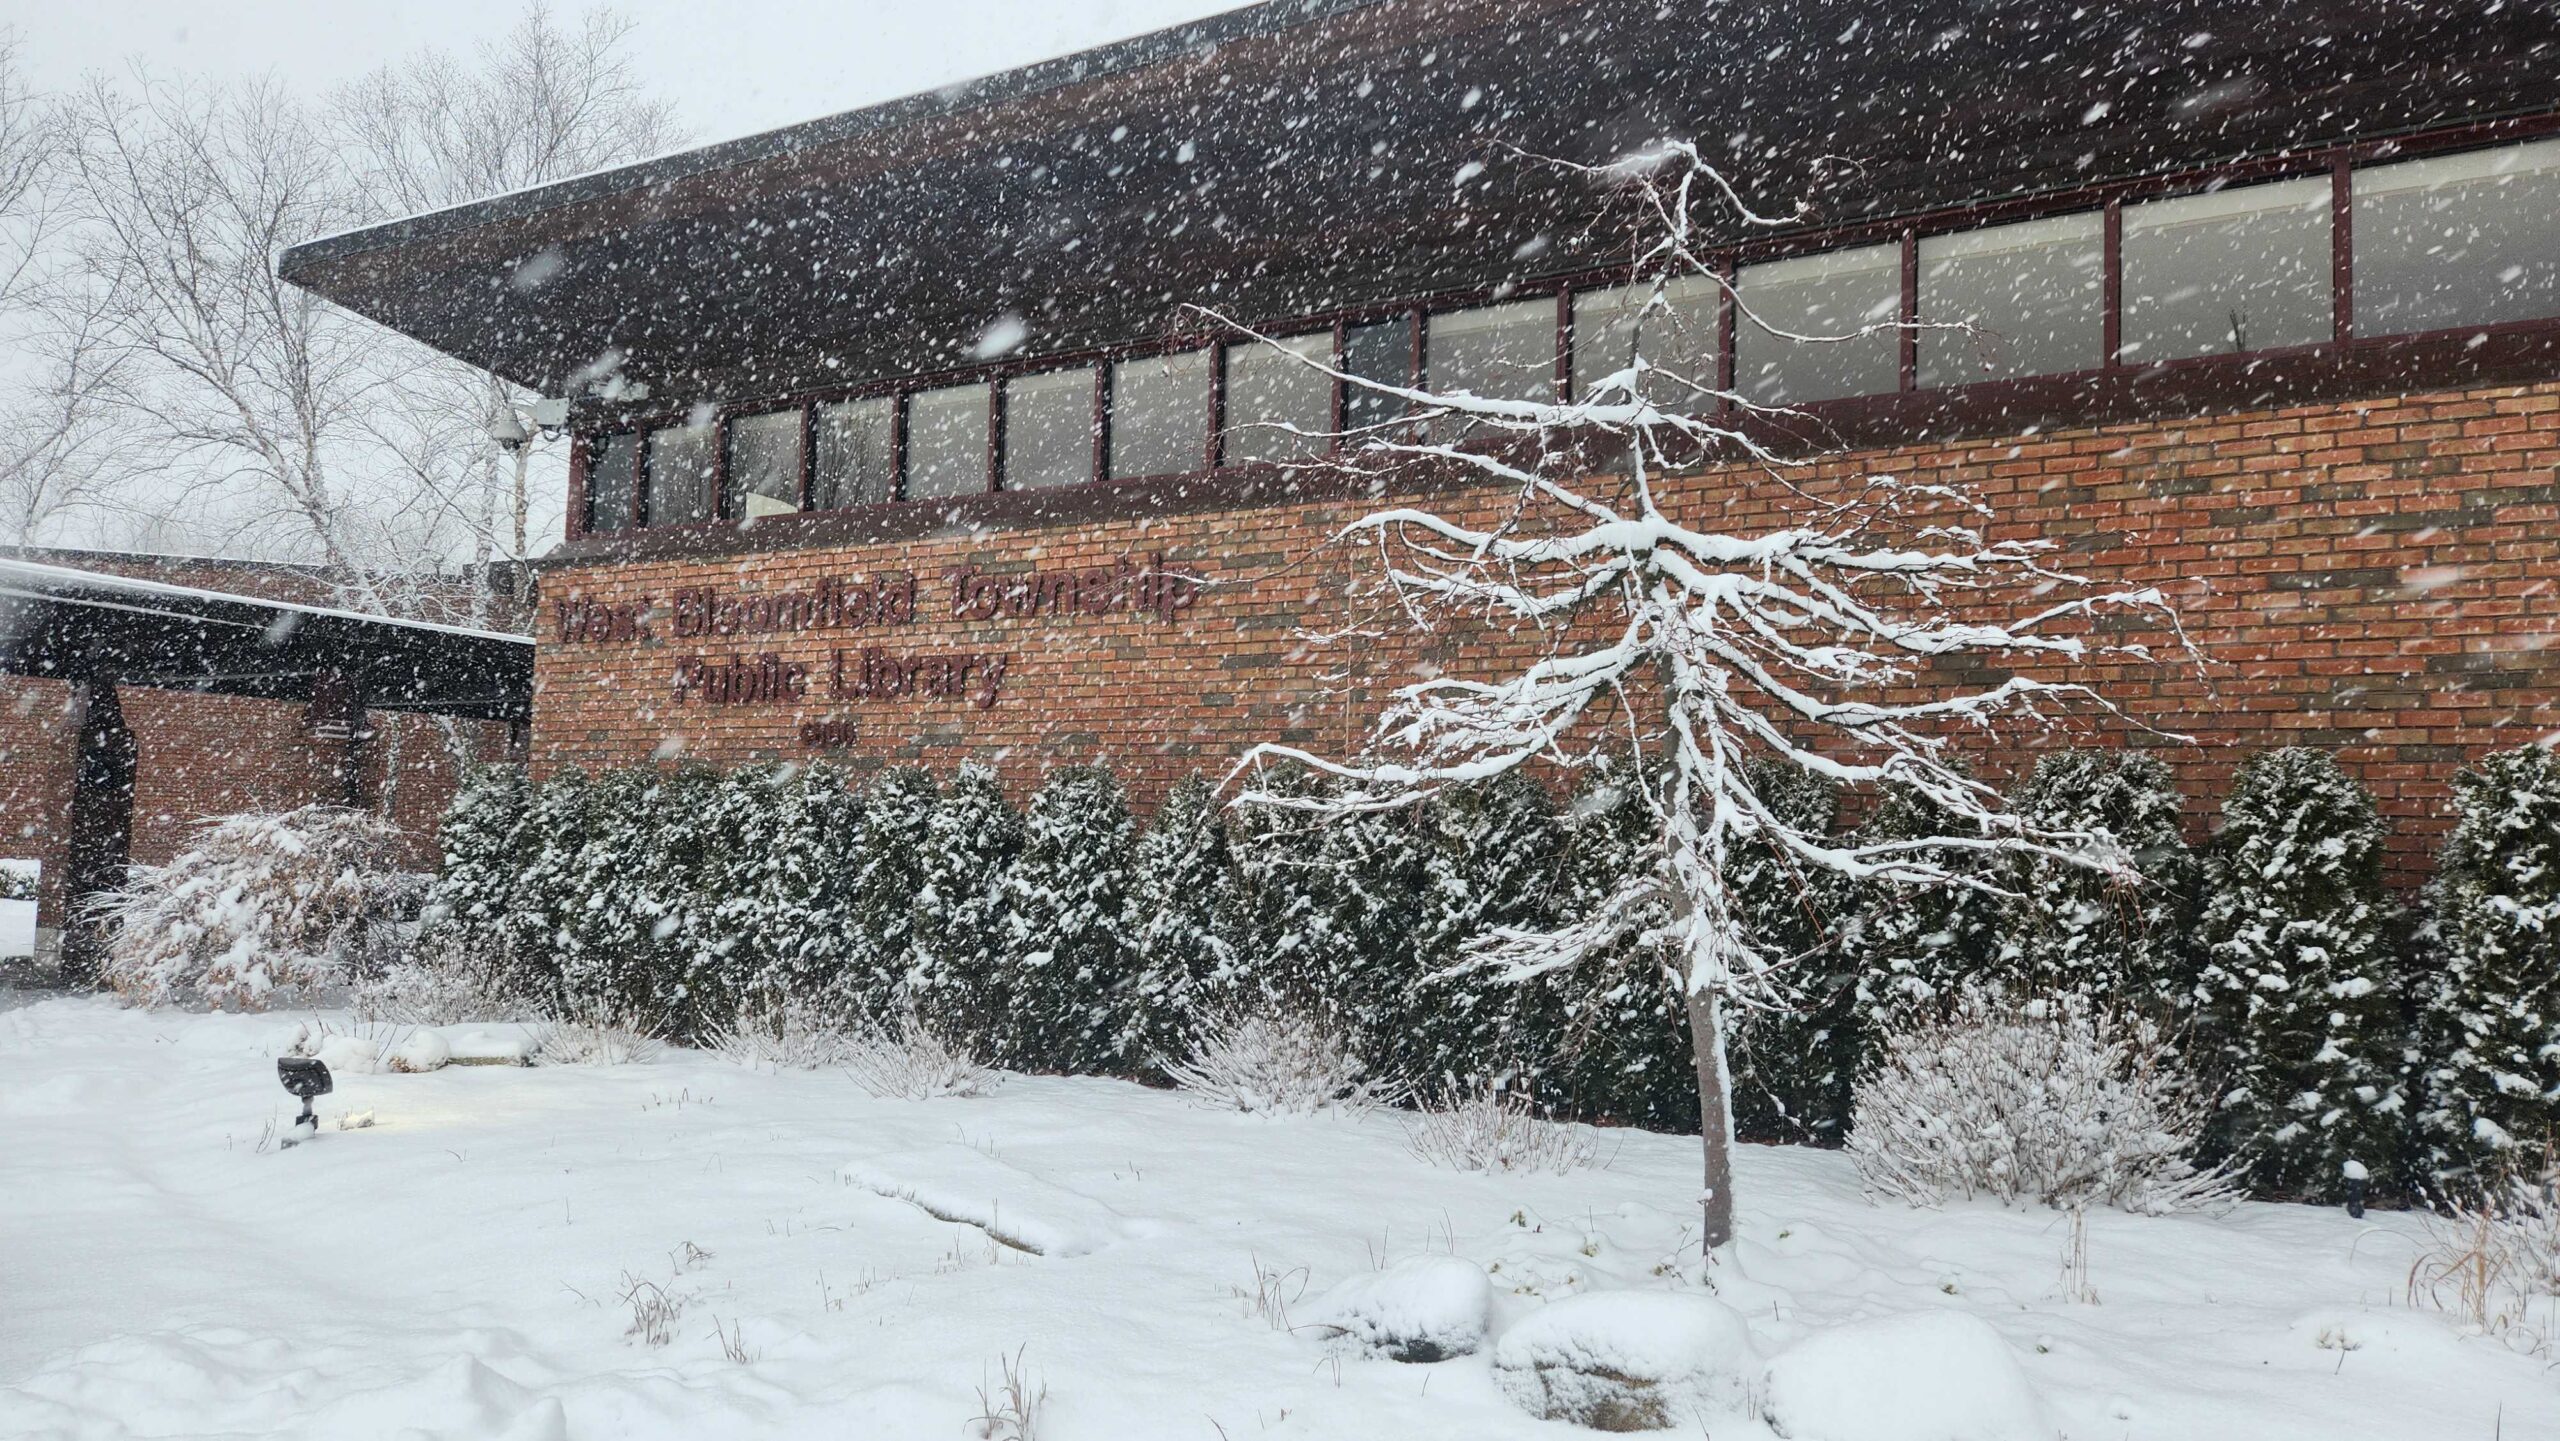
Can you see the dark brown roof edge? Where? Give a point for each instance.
(1136, 53)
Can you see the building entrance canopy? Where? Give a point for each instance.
(59, 623)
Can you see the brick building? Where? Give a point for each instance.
(901, 433)
(200, 745)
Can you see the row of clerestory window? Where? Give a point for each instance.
(2442, 243)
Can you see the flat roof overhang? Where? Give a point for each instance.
(58, 623)
(1313, 155)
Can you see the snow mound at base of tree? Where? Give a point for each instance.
(1429, 1308)
(1921, 1376)
(963, 1184)
(1628, 1361)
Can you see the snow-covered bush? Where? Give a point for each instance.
(477, 901)
(1794, 1057)
(790, 1034)
(2298, 996)
(2070, 927)
(2491, 1025)
(2062, 1100)
(361, 1048)
(1489, 1129)
(773, 891)
(886, 874)
(1278, 1063)
(1066, 981)
(1489, 857)
(910, 1061)
(255, 905)
(1630, 1361)
(969, 847)
(1419, 1310)
(1912, 947)
(1625, 1027)
(595, 1039)
(1178, 889)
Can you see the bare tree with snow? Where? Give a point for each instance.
(1840, 642)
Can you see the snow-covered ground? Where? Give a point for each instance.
(459, 1269)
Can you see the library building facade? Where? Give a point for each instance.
(978, 425)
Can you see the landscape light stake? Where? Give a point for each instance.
(306, 1077)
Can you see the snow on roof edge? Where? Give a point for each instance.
(35, 573)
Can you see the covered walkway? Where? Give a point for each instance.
(102, 633)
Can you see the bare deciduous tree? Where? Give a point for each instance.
(59, 454)
(1840, 642)
(297, 430)
(187, 193)
(542, 103)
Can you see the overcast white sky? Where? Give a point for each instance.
(731, 67)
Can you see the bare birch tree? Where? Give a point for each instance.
(1822, 644)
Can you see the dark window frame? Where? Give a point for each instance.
(2347, 350)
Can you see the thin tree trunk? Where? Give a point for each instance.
(1715, 1114)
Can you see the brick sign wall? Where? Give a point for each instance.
(2382, 578)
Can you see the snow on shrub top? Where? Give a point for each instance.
(1427, 1308)
(1620, 1357)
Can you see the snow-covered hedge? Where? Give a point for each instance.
(255, 906)
(1072, 935)
(2298, 1008)
(2491, 1022)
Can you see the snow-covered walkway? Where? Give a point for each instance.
(459, 1269)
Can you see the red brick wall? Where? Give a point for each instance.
(37, 736)
(2375, 577)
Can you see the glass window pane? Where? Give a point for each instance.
(856, 459)
(1381, 351)
(1678, 334)
(1823, 295)
(947, 441)
(2458, 240)
(2234, 270)
(1272, 386)
(2036, 293)
(613, 464)
(1498, 352)
(1160, 415)
(1048, 430)
(764, 464)
(679, 474)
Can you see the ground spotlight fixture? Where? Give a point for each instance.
(306, 1077)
